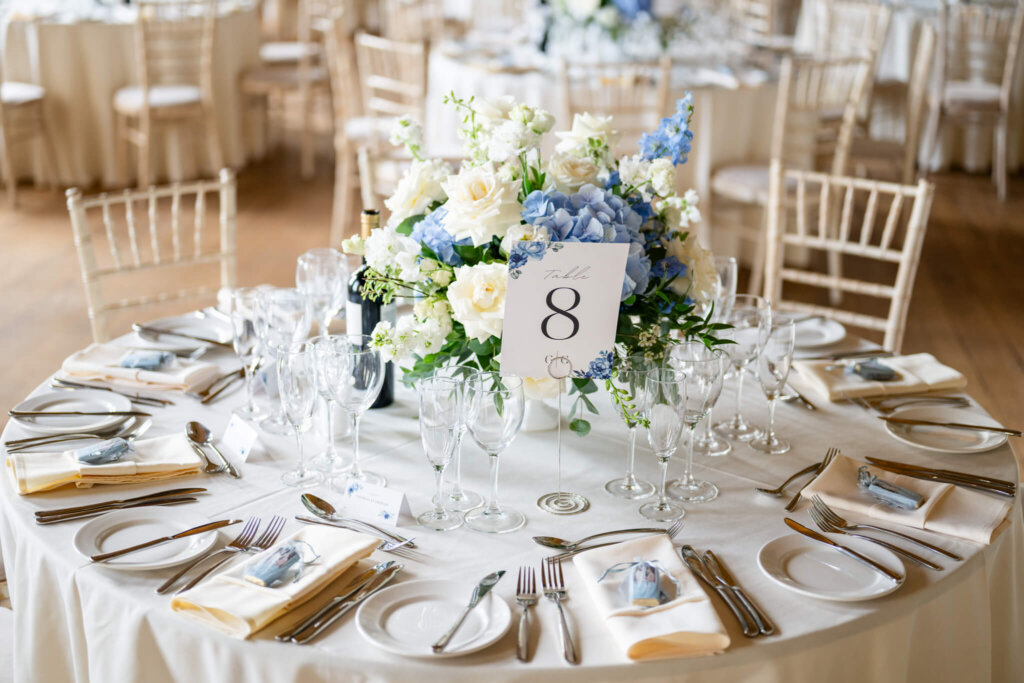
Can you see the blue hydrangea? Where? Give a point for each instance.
(669, 268)
(540, 206)
(599, 368)
(517, 259)
(431, 233)
(631, 8)
(638, 272)
(673, 137)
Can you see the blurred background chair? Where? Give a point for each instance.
(22, 119)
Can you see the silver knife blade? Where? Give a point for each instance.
(718, 568)
(148, 496)
(479, 591)
(351, 589)
(202, 528)
(950, 425)
(814, 535)
(947, 479)
(701, 571)
(950, 473)
(343, 608)
(160, 332)
(156, 502)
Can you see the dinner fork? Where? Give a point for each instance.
(834, 519)
(266, 539)
(554, 590)
(243, 539)
(829, 456)
(777, 491)
(825, 526)
(526, 596)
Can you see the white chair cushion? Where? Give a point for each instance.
(14, 93)
(129, 99)
(367, 127)
(743, 183)
(278, 53)
(971, 94)
(281, 77)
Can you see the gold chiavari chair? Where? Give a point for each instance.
(22, 119)
(413, 20)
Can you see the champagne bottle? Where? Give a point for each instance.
(363, 314)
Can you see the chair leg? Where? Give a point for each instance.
(757, 264)
(306, 158)
(999, 161)
(344, 168)
(932, 141)
(10, 180)
(144, 148)
(209, 124)
(51, 154)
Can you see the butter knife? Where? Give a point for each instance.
(702, 572)
(951, 425)
(112, 503)
(351, 589)
(202, 528)
(345, 607)
(853, 554)
(717, 567)
(481, 589)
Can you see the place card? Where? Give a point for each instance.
(375, 503)
(239, 438)
(562, 302)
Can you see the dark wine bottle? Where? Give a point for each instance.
(363, 314)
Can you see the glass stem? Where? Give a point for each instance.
(492, 503)
(439, 483)
(769, 437)
(250, 389)
(738, 419)
(631, 463)
(325, 325)
(356, 472)
(301, 470)
(457, 486)
(332, 452)
(662, 501)
(688, 465)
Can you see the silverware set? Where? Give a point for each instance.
(711, 571)
(132, 430)
(977, 482)
(325, 511)
(849, 552)
(575, 549)
(160, 332)
(826, 461)
(169, 497)
(403, 548)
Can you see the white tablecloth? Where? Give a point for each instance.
(81, 62)
(76, 622)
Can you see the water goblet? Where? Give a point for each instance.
(322, 276)
(750, 317)
(296, 380)
(664, 407)
(495, 414)
(629, 385)
(726, 269)
(354, 372)
(284, 317)
(440, 401)
(458, 498)
(702, 369)
(772, 370)
(246, 342)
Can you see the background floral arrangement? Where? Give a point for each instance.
(629, 25)
(449, 238)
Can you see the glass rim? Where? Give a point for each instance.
(473, 379)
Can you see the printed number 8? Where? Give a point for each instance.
(563, 312)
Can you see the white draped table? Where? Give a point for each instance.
(78, 622)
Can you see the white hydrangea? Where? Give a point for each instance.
(663, 177)
(418, 188)
(386, 251)
(510, 139)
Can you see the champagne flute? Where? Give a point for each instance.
(702, 369)
(440, 416)
(322, 276)
(664, 408)
(750, 317)
(708, 443)
(459, 499)
(326, 376)
(296, 380)
(629, 381)
(495, 414)
(246, 342)
(772, 370)
(284, 318)
(356, 374)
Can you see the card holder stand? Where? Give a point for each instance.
(561, 502)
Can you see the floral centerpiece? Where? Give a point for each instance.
(627, 29)
(451, 238)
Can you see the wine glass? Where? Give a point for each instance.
(458, 498)
(284, 317)
(440, 420)
(702, 369)
(495, 414)
(629, 383)
(750, 317)
(708, 443)
(328, 461)
(354, 372)
(322, 276)
(296, 381)
(664, 407)
(246, 342)
(772, 369)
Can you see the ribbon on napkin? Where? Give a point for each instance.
(918, 372)
(161, 457)
(686, 626)
(947, 509)
(239, 608)
(102, 362)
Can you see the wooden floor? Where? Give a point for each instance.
(967, 309)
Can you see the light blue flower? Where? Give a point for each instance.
(517, 259)
(532, 249)
(673, 137)
(631, 8)
(638, 272)
(540, 205)
(599, 368)
(669, 268)
(431, 233)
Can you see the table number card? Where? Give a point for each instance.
(562, 300)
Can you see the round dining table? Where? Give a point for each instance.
(78, 621)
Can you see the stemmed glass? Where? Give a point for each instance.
(495, 414)
(322, 276)
(326, 378)
(355, 373)
(664, 408)
(246, 342)
(702, 369)
(751, 318)
(458, 498)
(284, 318)
(296, 380)
(708, 443)
(629, 380)
(772, 369)
(440, 417)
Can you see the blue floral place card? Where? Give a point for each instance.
(562, 302)
(376, 504)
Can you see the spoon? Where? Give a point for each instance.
(325, 511)
(561, 544)
(199, 434)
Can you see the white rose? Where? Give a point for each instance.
(480, 205)
(663, 177)
(701, 276)
(587, 127)
(582, 9)
(477, 298)
(539, 388)
(417, 190)
(568, 173)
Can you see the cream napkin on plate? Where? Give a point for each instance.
(686, 626)
(102, 362)
(919, 372)
(946, 509)
(239, 608)
(162, 457)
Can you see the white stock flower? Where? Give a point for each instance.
(418, 188)
(480, 205)
(587, 127)
(510, 139)
(701, 276)
(581, 10)
(539, 388)
(385, 250)
(663, 177)
(634, 171)
(407, 132)
(477, 298)
(569, 172)
(680, 212)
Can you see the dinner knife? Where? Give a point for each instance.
(58, 383)
(202, 528)
(863, 559)
(56, 519)
(949, 473)
(954, 480)
(70, 413)
(701, 571)
(350, 589)
(344, 608)
(171, 333)
(951, 425)
(481, 589)
(148, 496)
(718, 569)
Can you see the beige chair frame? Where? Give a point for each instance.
(24, 122)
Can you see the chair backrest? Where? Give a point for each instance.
(755, 20)
(174, 42)
(148, 239)
(413, 20)
(917, 98)
(636, 94)
(881, 224)
(804, 136)
(980, 43)
(392, 76)
(851, 27)
(341, 67)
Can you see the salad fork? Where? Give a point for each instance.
(526, 596)
(554, 590)
(243, 539)
(825, 526)
(266, 539)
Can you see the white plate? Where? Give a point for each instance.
(818, 332)
(125, 528)
(408, 618)
(945, 439)
(207, 326)
(83, 400)
(811, 568)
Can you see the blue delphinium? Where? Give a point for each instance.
(431, 233)
(669, 268)
(673, 137)
(631, 8)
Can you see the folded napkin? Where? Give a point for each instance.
(239, 608)
(918, 372)
(103, 362)
(162, 457)
(686, 626)
(947, 509)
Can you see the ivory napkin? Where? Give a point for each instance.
(947, 509)
(239, 608)
(102, 362)
(687, 626)
(162, 457)
(918, 372)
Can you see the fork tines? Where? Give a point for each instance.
(269, 536)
